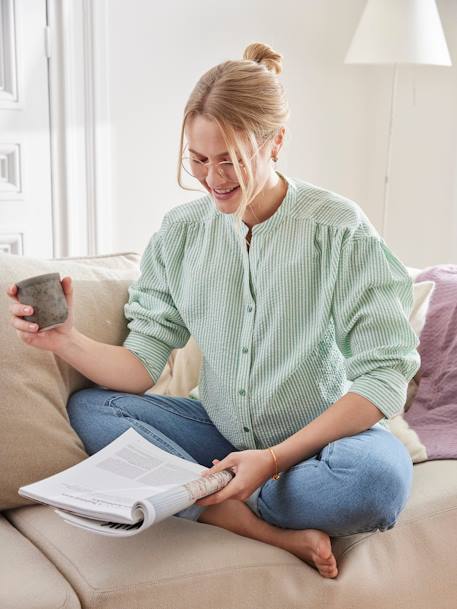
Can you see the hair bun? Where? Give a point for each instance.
(264, 54)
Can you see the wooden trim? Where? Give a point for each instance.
(79, 118)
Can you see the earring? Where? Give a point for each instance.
(274, 157)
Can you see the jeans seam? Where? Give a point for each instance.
(370, 529)
(110, 402)
(301, 465)
(330, 451)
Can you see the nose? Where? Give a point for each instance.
(218, 171)
(215, 176)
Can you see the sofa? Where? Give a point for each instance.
(182, 564)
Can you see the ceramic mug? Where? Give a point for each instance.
(45, 294)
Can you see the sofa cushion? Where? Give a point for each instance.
(27, 579)
(186, 564)
(36, 439)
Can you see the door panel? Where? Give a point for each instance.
(25, 162)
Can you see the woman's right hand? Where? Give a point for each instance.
(49, 340)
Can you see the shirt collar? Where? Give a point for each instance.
(282, 211)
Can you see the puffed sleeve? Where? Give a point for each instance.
(156, 327)
(372, 301)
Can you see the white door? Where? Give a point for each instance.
(25, 156)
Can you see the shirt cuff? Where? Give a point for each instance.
(150, 351)
(385, 388)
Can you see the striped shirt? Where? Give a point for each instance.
(318, 302)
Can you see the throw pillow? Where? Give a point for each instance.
(433, 412)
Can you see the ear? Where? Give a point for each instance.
(279, 138)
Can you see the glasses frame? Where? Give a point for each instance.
(208, 163)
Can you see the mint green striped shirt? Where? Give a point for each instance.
(317, 303)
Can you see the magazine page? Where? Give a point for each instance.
(103, 527)
(112, 483)
(154, 508)
(176, 499)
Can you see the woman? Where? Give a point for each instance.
(290, 292)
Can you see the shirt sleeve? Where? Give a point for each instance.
(156, 327)
(372, 301)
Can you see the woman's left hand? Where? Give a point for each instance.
(251, 467)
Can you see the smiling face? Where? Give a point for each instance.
(206, 143)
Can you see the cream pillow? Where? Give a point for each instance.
(422, 297)
(182, 373)
(400, 428)
(182, 370)
(423, 292)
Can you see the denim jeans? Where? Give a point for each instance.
(355, 484)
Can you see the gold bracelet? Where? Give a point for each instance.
(276, 475)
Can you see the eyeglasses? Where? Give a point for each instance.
(199, 169)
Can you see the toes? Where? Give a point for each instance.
(328, 563)
(328, 571)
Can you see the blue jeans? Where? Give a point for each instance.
(355, 484)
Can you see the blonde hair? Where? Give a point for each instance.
(247, 101)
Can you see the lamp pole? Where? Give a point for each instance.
(393, 100)
(397, 32)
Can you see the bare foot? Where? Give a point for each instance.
(314, 547)
(311, 545)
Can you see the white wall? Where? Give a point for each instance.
(337, 134)
(422, 213)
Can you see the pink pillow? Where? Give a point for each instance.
(433, 412)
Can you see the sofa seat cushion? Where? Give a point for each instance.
(191, 565)
(27, 578)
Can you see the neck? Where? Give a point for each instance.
(266, 202)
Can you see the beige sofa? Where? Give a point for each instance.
(180, 564)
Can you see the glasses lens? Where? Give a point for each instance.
(192, 167)
(199, 170)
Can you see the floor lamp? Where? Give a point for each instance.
(398, 32)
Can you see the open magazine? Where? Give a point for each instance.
(125, 487)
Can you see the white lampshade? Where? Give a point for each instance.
(399, 31)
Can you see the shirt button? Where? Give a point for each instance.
(245, 349)
(246, 429)
(242, 392)
(249, 308)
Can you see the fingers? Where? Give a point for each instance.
(19, 310)
(12, 291)
(67, 285)
(231, 491)
(218, 466)
(23, 325)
